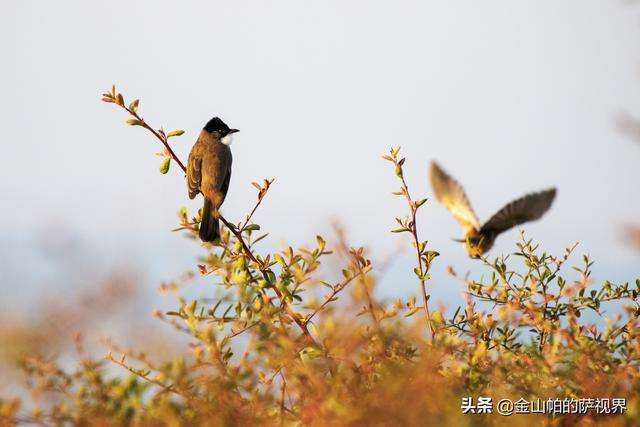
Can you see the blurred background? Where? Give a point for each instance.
(508, 97)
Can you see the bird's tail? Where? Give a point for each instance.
(209, 226)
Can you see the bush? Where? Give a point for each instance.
(279, 345)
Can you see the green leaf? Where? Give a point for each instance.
(420, 203)
(164, 166)
(411, 312)
(430, 255)
(176, 132)
(134, 122)
(270, 276)
(400, 230)
(279, 259)
(328, 285)
(252, 227)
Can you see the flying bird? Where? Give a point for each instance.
(478, 239)
(209, 173)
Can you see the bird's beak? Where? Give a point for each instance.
(233, 131)
(459, 240)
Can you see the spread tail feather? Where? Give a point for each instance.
(209, 226)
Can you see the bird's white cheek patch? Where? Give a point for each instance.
(227, 140)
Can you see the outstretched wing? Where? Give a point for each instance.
(524, 209)
(452, 195)
(194, 170)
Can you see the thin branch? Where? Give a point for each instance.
(283, 391)
(166, 388)
(414, 232)
(262, 191)
(240, 331)
(160, 135)
(335, 290)
(117, 99)
(292, 314)
(344, 248)
(413, 228)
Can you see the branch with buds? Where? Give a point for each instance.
(409, 225)
(117, 98)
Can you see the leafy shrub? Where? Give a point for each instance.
(280, 345)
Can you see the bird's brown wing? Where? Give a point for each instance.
(524, 209)
(194, 170)
(227, 179)
(452, 195)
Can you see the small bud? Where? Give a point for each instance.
(134, 122)
(164, 165)
(176, 132)
(134, 105)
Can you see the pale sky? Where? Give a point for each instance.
(510, 97)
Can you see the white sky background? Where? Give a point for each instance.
(510, 97)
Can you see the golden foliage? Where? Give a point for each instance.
(279, 344)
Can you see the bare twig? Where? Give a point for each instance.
(262, 191)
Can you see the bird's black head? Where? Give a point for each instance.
(217, 125)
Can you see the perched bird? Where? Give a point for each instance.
(479, 239)
(209, 173)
